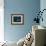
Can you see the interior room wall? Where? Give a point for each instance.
(43, 6)
(26, 7)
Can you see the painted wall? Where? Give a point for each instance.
(43, 6)
(26, 7)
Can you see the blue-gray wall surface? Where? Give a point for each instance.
(26, 7)
(43, 6)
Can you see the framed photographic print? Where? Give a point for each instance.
(17, 19)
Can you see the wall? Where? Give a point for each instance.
(26, 7)
(43, 6)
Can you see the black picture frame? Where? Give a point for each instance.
(17, 19)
